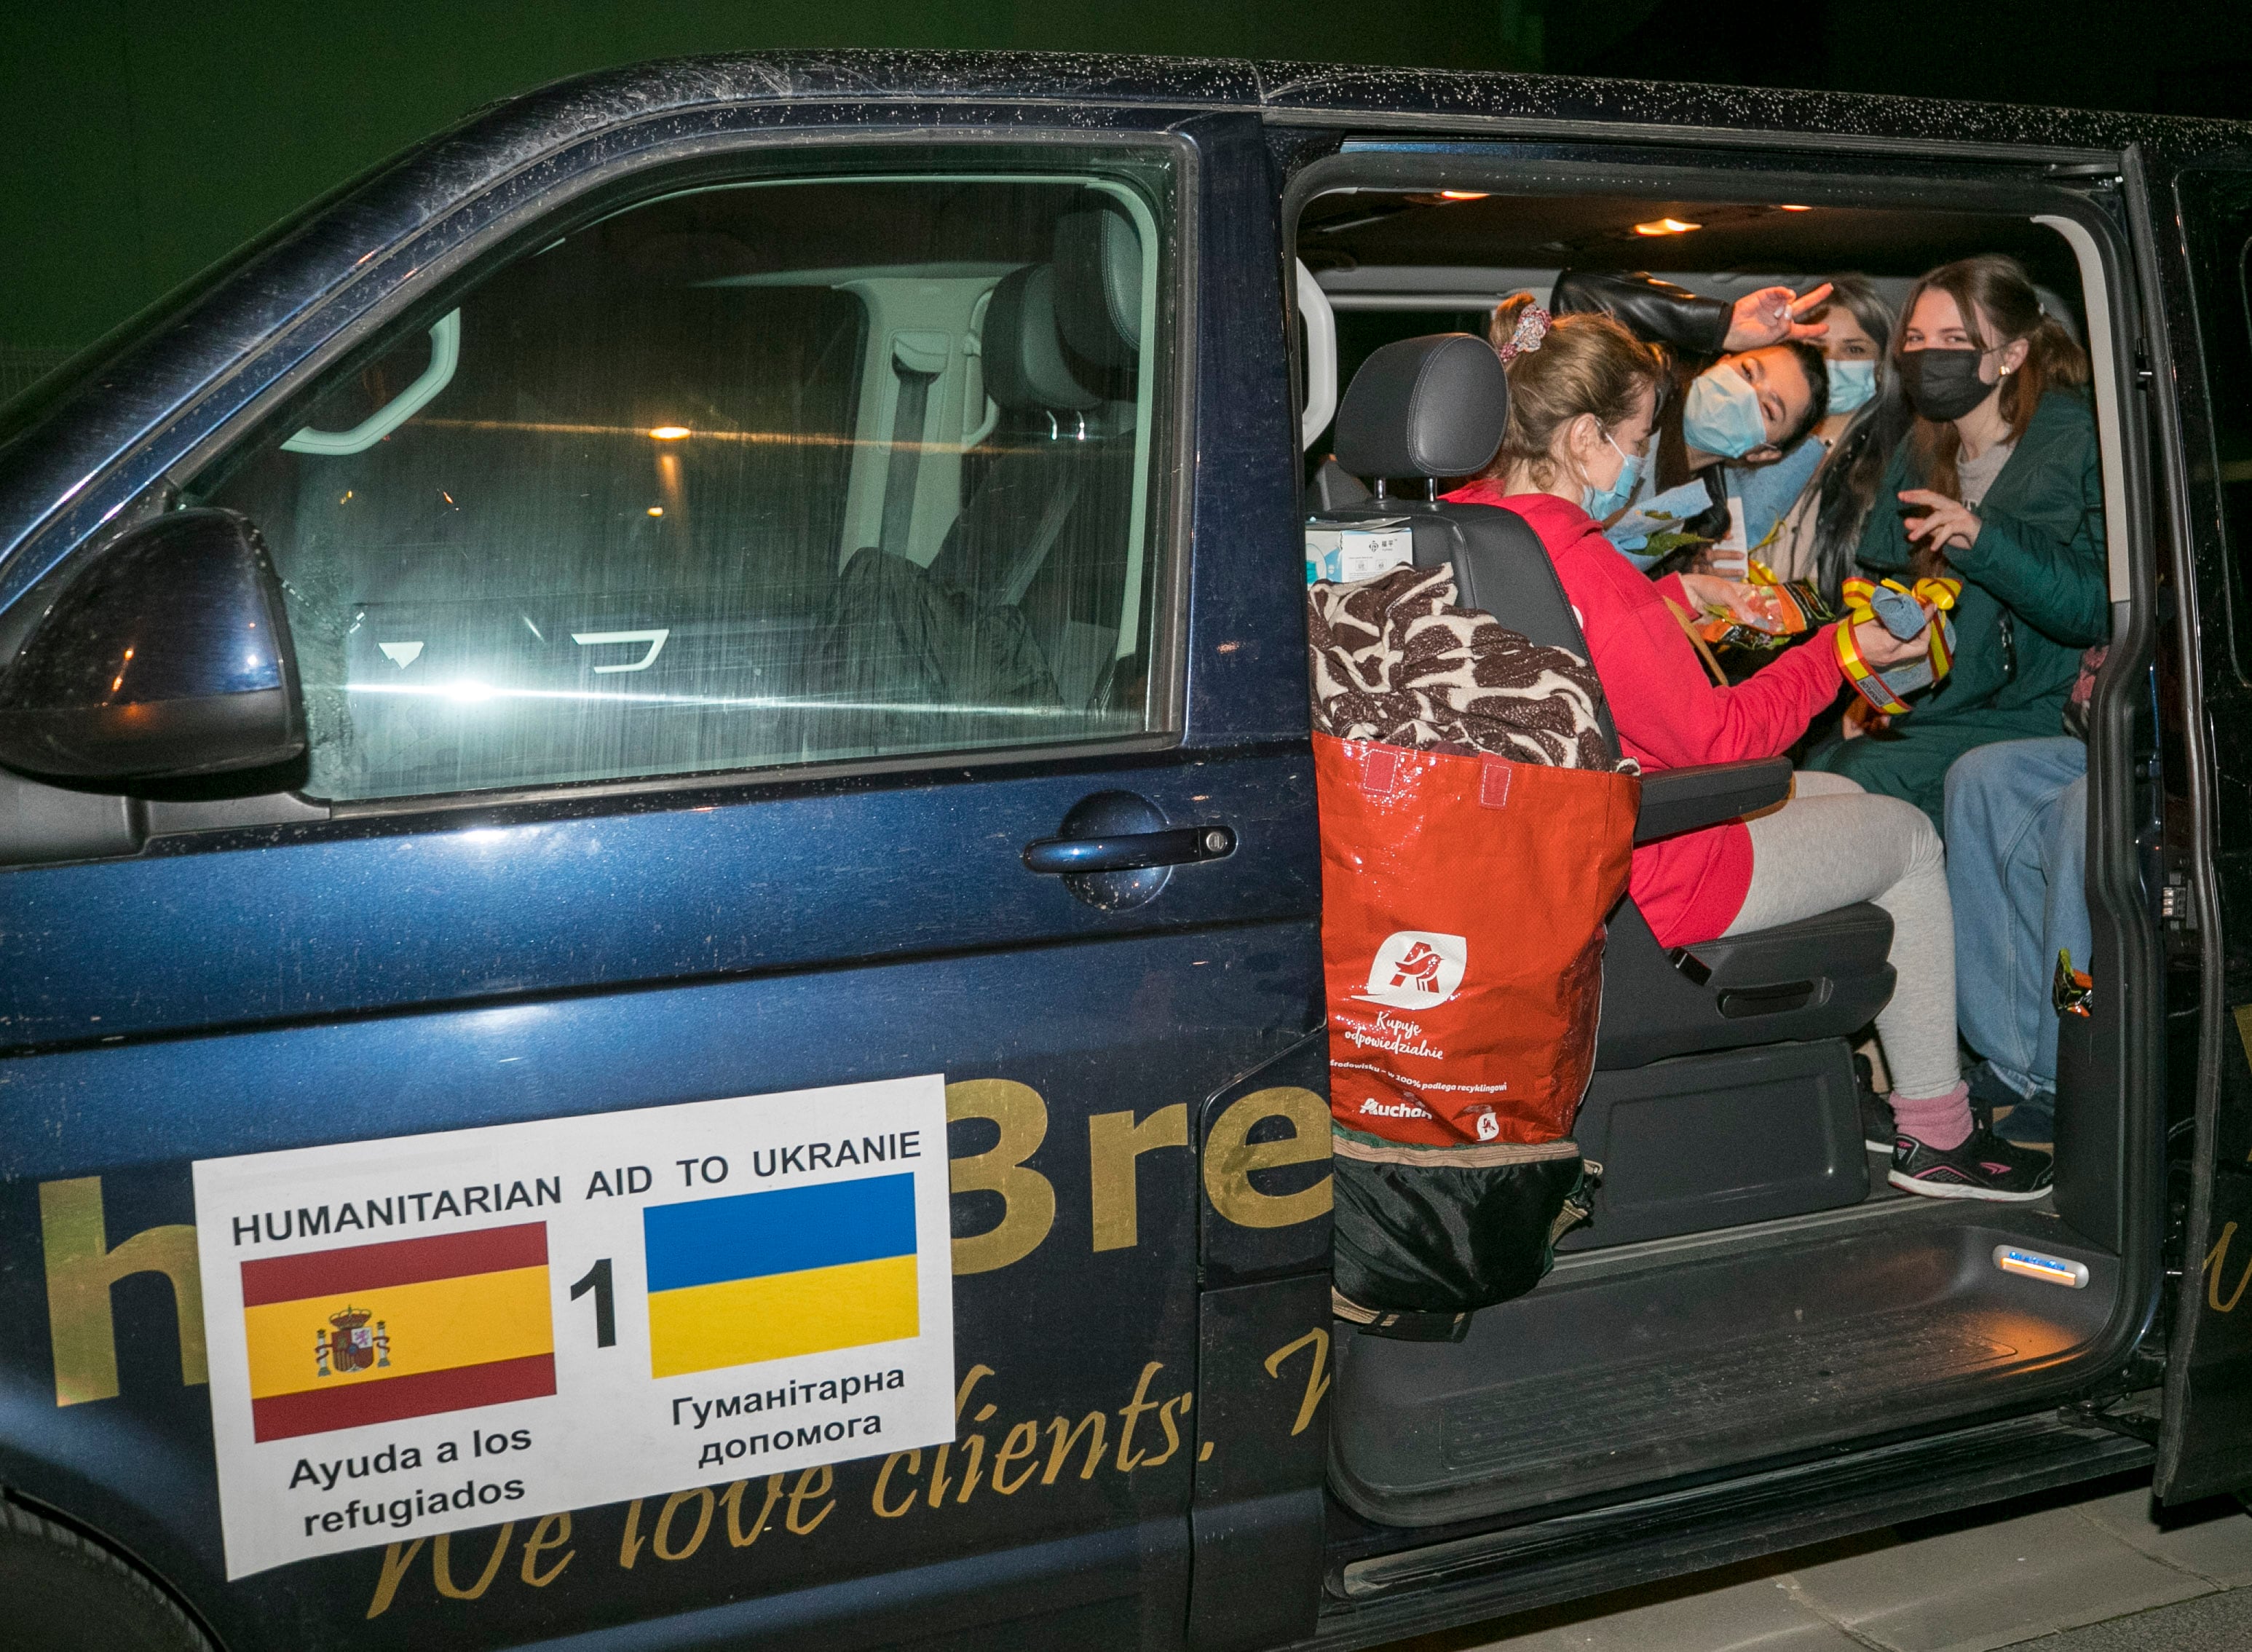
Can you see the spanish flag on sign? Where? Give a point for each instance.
(375, 1333)
(800, 1270)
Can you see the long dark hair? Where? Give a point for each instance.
(1994, 292)
(1865, 446)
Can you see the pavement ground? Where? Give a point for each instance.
(2093, 1568)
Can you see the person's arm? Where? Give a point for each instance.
(2047, 563)
(1659, 696)
(1656, 311)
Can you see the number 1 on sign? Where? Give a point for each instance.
(605, 1311)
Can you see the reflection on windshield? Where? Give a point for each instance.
(476, 693)
(803, 472)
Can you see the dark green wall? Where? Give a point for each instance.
(141, 139)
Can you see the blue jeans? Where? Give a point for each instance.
(2016, 862)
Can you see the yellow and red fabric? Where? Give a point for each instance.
(1869, 682)
(463, 1318)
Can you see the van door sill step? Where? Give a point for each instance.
(1752, 1386)
(1602, 1381)
(1384, 1597)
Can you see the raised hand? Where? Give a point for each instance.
(1774, 314)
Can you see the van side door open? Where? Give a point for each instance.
(2206, 1444)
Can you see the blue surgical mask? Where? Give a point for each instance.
(1600, 502)
(1852, 384)
(1721, 413)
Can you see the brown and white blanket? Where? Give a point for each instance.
(1393, 660)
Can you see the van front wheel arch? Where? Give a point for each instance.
(65, 1592)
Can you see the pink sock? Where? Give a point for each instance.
(1941, 1122)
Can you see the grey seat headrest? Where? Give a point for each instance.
(1098, 258)
(1022, 355)
(1433, 407)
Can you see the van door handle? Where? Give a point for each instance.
(1173, 847)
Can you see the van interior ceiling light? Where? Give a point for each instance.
(1463, 195)
(1794, 209)
(1666, 226)
(670, 433)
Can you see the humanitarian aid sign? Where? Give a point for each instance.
(437, 1332)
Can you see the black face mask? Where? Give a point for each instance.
(1942, 385)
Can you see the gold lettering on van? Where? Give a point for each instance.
(1029, 1201)
(732, 1498)
(2215, 1260)
(553, 1531)
(81, 1267)
(1113, 1144)
(1230, 1156)
(396, 1559)
(1152, 1432)
(441, 1570)
(1317, 1373)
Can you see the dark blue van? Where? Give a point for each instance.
(782, 577)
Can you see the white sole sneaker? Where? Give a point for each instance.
(1966, 1190)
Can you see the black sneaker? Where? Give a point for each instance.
(1984, 1167)
(1878, 1131)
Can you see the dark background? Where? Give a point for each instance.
(142, 139)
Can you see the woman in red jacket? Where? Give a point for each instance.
(1582, 398)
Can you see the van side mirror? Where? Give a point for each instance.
(167, 657)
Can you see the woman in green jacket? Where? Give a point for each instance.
(1999, 486)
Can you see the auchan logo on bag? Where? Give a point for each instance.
(1417, 969)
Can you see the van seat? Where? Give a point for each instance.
(1045, 528)
(1681, 1031)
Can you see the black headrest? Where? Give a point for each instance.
(1431, 407)
(1098, 260)
(1023, 356)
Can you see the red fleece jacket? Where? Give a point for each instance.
(1668, 711)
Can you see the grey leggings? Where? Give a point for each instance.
(1833, 844)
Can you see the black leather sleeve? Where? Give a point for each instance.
(1656, 311)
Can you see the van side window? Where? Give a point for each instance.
(788, 472)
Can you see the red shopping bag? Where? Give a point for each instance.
(1463, 906)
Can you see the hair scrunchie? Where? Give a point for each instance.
(1531, 330)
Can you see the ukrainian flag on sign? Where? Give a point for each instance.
(760, 1276)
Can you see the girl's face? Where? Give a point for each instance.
(1847, 340)
(1586, 452)
(1632, 432)
(1936, 323)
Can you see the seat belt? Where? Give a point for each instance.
(918, 359)
(1025, 565)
